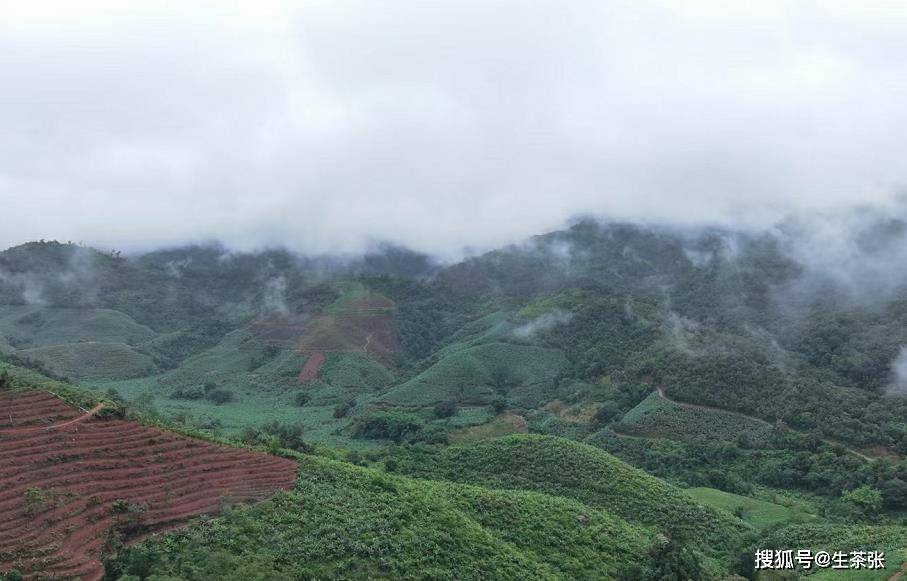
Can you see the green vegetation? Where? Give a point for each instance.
(477, 375)
(777, 420)
(239, 352)
(31, 327)
(348, 522)
(22, 379)
(758, 513)
(656, 416)
(834, 537)
(252, 407)
(397, 427)
(583, 473)
(344, 376)
(355, 371)
(502, 425)
(92, 361)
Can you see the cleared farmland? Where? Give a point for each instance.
(73, 485)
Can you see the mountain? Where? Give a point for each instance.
(574, 387)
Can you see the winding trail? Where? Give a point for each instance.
(899, 573)
(829, 441)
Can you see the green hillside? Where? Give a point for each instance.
(759, 513)
(239, 352)
(347, 522)
(344, 376)
(92, 361)
(583, 473)
(524, 374)
(29, 327)
(470, 391)
(657, 416)
(18, 378)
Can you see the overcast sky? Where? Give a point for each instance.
(439, 124)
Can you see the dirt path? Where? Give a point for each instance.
(829, 441)
(899, 573)
(86, 416)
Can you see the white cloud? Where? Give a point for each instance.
(438, 124)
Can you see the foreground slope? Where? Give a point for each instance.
(74, 485)
(345, 521)
(569, 469)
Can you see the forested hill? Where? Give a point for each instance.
(764, 364)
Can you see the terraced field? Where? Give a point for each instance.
(357, 322)
(74, 485)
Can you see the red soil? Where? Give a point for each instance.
(365, 333)
(362, 325)
(310, 371)
(79, 465)
(279, 329)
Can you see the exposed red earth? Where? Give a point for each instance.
(72, 483)
(310, 371)
(362, 326)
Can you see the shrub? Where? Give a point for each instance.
(119, 506)
(114, 396)
(302, 398)
(343, 409)
(445, 409)
(607, 412)
(865, 499)
(221, 396)
(34, 497)
(275, 435)
(395, 426)
(191, 393)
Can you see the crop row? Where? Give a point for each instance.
(70, 491)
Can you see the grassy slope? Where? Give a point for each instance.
(236, 353)
(44, 327)
(589, 475)
(85, 344)
(656, 416)
(92, 361)
(345, 521)
(760, 514)
(348, 375)
(502, 425)
(253, 407)
(486, 329)
(468, 376)
(266, 393)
